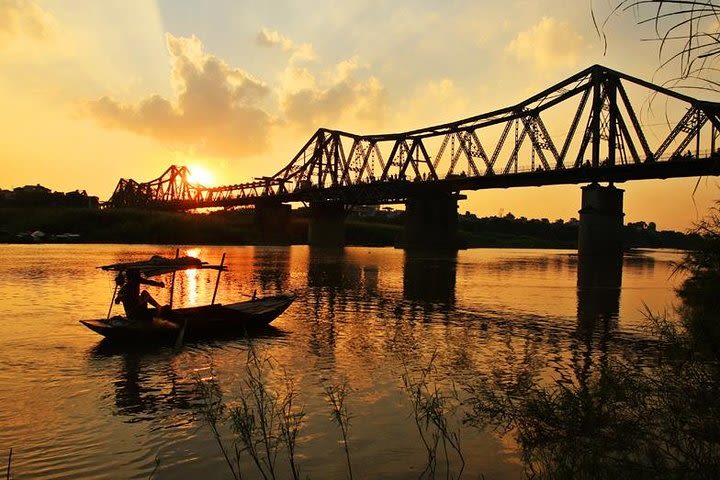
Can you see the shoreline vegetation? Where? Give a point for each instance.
(61, 224)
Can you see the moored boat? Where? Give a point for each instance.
(189, 322)
(199, 322)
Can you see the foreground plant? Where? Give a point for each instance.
(9, 463)
(607, 417)
(264, 420)
(700, 309)
(432, 410)
(336, 395)
(686, 34)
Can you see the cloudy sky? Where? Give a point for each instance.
(94, 91)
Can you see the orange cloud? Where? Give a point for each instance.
(223, 111)
(345, 97)
(215, 109)
(549, 43)
(26, 18)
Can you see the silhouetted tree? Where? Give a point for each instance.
(688, 36)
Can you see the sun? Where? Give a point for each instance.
(200, 176)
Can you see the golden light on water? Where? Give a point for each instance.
(191, 278)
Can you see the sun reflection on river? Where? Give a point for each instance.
(191, 279)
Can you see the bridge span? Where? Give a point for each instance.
(583, 130)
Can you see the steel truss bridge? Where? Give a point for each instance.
(581, 130)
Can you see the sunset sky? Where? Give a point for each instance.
(93, 91)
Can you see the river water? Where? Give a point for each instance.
(72, 407)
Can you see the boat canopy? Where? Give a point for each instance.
(158, 265)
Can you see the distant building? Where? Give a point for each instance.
(31, 189)
(37, 195)
(80, 198)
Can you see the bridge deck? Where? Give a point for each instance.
(397, 191)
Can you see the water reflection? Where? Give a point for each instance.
(146, 379)
(271, 269)
(371, 275)
(145, 382)
(332, 270)
(430, 277)
(598, 293)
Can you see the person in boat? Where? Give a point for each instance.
(135, 302)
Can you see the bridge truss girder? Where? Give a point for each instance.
(585, 123)
(612, 126)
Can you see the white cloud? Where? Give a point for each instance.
(224, 111)
(272, 38)
(434, 102)
(342, 96)
(24, 18)
(215, 108)
(548, 44)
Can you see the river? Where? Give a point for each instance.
(70, 407)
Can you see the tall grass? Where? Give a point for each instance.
(9, 463)
(433, 410)
(264, 419)
(610, 419)
(336, 395)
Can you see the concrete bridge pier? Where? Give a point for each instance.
(431, 222)
(326, 225)
(600, 262)
(272, 222)
(601, 222)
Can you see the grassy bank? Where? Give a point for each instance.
(130, 226)
(238, 228)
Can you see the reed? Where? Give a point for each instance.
(336, 395)
(7, 476)
(263, 420)
(433, 410)
(157, 465)
(254, 420)
(608, 417)
(212, 410)
(291, 422)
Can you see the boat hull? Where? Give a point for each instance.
(198, 322)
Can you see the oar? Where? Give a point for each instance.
(181, 335)
(112, 300)
(172, 285)
(217, 280)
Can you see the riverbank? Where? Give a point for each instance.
(89, 225)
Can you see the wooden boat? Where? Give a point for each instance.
(199, 322)
(191, 322)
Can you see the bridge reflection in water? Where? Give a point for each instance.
(430, 277)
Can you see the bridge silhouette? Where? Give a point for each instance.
(583, 130)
